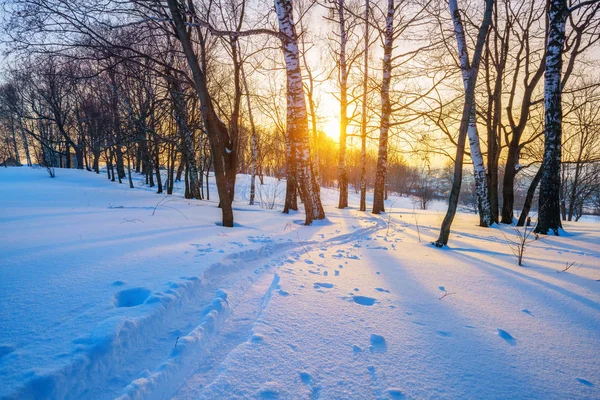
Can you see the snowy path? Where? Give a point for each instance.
(486, 338)
(173, 307)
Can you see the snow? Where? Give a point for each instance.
(104, 294)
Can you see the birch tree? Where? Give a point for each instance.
(549, 198)
(481, 189)
(388, 45)
(364, 110)
(465, 120)
(297, 117)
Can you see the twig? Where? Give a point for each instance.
(302, 244)
(567, 266)
(157, 204)
(416, 222)
(446, 294)
(132, 220)
(163, 204)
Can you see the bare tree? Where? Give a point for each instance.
(466, 116)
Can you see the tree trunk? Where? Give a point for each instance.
(220, 143)
(343, 81)
(378, 191)
(297, 119)
(483, 204)
(253, 141)
(549, 202)
(186, 135)
(529, 198)
(363, 122)
(25, 143)
(466, 117)
(129, 170)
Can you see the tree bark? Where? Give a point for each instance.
(297, 118)
(343, 81)
(363, 122)
(218, 135)
(388, 45)
(529, 197)
(549, 201)
(465, 120)
(481, 189)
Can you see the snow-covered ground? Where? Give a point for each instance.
(105, 294)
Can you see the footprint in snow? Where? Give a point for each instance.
(585, 382)
(269, 390)
(364, 300)
(309, 262)
(396, 393)
(131, 297)
(382, 290)
(508, 338)
(305, 377)
(257, 338)
(444, 333)
(378, 344)
(337, 273)
(325, 285)
(526, 311)
(308, 380)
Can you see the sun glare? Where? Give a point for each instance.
(329, 115)
(331, 127)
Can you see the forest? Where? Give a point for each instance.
(228, 87)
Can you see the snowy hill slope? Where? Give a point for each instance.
(105, 294)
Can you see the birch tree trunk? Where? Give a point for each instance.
(297, 118)
(549, 201)
(481, 189)
(388, 45)
(465, 120)
(343, 78)
(363, 122)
